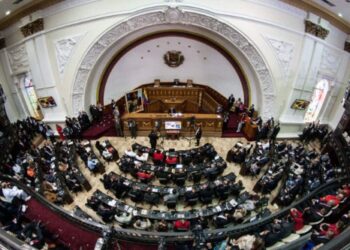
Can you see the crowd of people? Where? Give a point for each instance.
(52, 171)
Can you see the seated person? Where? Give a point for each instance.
(130, 153)
(332, 200)
(158, 157)
(144, 175)
(171, 160)
(222, 220)
(297, 216)
(123, 218)
(195, 176)
(142, 224)
(344, 190)
(141, 156)
(106, 212)
(107, 155)
(182, 225)
(171, 197)
(222, 190)
(162, 226)
(206, 194)
(248, 242)
(151, 197)
(191, 196)
(92, 163)
(63, 167)
(179, 176)
(10, 192)
(32, 233)
(239, 214)
(163, 176)
(136, 195)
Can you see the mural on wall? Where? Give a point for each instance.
(134, 101)
(47, 102)
(173, 58)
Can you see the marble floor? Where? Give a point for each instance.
(222, 145)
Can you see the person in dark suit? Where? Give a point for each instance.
(132, 128)
(172, 110)
(153, 137)
(274, 133)
(198, 134)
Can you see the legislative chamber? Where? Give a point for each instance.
(175, 124)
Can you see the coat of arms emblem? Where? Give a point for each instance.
(173, 58)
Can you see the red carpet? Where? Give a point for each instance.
(74, 237)
(99, 129)
(232, 124)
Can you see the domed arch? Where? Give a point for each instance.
(182, 17)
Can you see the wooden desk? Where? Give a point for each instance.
(174, 134)
(250, 130)
(211, 123)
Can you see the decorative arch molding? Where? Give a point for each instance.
(174, 16)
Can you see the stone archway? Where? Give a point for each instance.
(174, 16)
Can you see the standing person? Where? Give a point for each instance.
(132, 128)
(153, 137)
(198, 134)
(118, 126)
(226, 119)
(113, 104)
(241, 123)
(231, 101)
(274, 133)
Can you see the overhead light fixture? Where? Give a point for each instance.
(340, 14)
(8, 12)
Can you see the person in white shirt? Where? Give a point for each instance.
(142, 224)
(106, 154)
(130, 153)
(11, 192)
(124, 219)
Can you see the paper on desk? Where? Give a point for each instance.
(155, 190)
(134, 212)
(144, 212)
(218, 208)
(112, 203)
(189, 189)
(180, 216)
(233, 202)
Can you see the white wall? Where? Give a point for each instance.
(144, 63)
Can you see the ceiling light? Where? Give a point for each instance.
(340, 15)
(7, 12)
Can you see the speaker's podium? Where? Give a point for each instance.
(172, 129)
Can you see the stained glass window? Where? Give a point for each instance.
(318, 98)
(32, 99)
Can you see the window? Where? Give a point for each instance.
(29, 96)
(317, 101)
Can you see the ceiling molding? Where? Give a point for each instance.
(25, 10)
(321, 11)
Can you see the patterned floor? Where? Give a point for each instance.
(222, 145)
